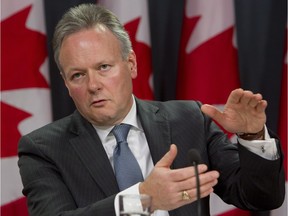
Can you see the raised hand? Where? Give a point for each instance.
(243, 112)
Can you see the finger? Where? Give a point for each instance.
(255, 100)
(208, 177)
(168, 158)
(185, 174)
(211, 111)
(206, 193)
(235, 96)
(246, 97)
(205, 189)
(261, 106)
(204, 178)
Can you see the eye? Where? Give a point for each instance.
(105, 67)
(76, 76)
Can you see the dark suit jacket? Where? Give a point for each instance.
(65, 170)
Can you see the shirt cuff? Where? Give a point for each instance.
(264, 148)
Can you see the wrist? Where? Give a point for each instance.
(252, 136)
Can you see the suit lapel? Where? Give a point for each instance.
(156, 128)
(89, 148)
(158, 134)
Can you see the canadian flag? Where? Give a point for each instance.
(208, 66)
(134, 16)
(25, 92)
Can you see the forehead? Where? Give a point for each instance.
(97, 43)
(98, 31)
(95, 37)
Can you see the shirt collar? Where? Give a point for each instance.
(130, 118)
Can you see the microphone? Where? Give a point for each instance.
(194, 159)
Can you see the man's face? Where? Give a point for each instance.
(98, 79)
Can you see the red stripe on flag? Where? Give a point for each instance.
(18, 207)
(23, 70)
(236, 212)
(283, 113)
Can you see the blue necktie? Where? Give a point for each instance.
(127, 170)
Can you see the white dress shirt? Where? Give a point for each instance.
(138, 144)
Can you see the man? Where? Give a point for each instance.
(67, 167)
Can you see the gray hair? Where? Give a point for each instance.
(87, 16)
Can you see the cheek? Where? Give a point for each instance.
(119, 82)
(120, 88)
(76, 93)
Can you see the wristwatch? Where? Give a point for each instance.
(252, 136)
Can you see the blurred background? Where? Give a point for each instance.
(193, 49)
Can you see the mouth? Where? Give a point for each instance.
(99, 103)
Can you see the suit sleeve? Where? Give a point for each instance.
(247, 180)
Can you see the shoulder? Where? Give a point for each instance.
(172, 105)
(48, 133)
(173, 109)
(52, 137)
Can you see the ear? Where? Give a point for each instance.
(132, 64)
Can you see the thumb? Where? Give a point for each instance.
(168, 158)
(211, 111)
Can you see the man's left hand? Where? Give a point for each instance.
(244, 112)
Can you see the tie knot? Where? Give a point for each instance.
(121, 131)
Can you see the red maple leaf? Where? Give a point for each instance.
(141, 87)
(10, 118)
(23, 52)
(210, 72)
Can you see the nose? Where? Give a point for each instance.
(94, 82)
